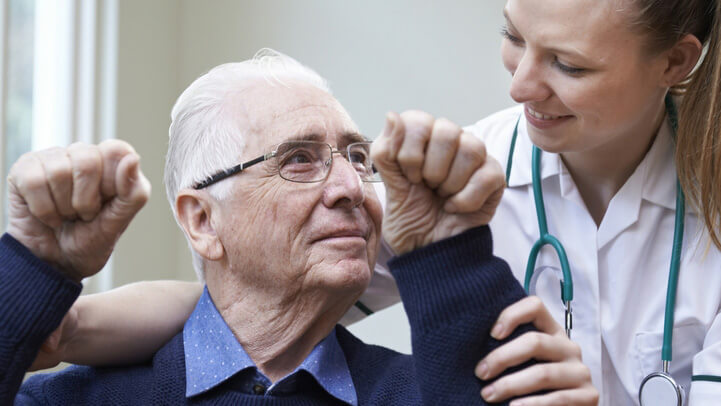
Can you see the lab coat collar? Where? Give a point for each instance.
(658, 167)
(659, 185)
(654, 181)
(521, 170)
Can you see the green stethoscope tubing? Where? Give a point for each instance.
(567, 283)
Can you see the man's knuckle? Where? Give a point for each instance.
(410, 159)
(25, 159)
(59, 174)
(449, 130)
(417, 115)
(471, 158)
(78, 146)
(115, 148)
(434, 179)
(85, 167)
(471, 142)
(43, 212)
(86, 204)
(31, 182)
(380, 148)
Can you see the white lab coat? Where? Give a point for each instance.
(620, 268)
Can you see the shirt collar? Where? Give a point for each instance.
(659, 185)
(521, 168)
(657, 169)
(213, 355)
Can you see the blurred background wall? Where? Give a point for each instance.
(378, 55)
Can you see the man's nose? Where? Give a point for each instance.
(528, 83)
(343, 187)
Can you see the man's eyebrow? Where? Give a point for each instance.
(307, 137)
(350, 138)
(343, 139)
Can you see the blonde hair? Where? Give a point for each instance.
(698, 139)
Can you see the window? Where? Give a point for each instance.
(16, 28)
(57, 78)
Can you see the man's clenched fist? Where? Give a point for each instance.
(69, 206)
(439, 181)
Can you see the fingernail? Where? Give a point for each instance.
(497, 330)
(483, 370)
(516, 403)
(488, 392)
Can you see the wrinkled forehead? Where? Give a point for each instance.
(272, 113)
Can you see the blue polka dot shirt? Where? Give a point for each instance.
(214, 356)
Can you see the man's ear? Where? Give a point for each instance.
(194, 214)
(681, 59)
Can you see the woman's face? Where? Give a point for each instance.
(581, 73)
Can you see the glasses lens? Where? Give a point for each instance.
(303, 161)
(359, 155)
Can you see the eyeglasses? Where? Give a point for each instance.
(307, 162)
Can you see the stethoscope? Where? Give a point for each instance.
(658, 388)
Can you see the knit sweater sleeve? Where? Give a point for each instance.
(33, 300)
(453, 291)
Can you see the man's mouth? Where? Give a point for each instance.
(346, 233)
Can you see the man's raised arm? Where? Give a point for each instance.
(442, 191)
(67, 208)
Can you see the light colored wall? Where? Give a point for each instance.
(379, 55)
(147, 88)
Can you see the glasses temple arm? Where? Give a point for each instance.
(231, 171)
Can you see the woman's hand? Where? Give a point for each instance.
(122, 326)
(53, 350)
(563, 375)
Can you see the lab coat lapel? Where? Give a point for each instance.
(653, 180)
(660, 185)
(521, 173)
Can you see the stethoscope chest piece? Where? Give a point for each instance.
(660, 389)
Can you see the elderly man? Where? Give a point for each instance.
(286, 241)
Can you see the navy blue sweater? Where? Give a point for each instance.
(452, 290)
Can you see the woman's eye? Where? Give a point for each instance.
(507, 35)
(568, 69)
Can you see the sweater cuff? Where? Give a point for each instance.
(34, 297)
(446, 280)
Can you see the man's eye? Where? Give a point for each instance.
(298, 157)
(358, 157)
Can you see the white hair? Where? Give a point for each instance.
(205, 137)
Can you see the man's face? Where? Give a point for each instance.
(298, 238)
